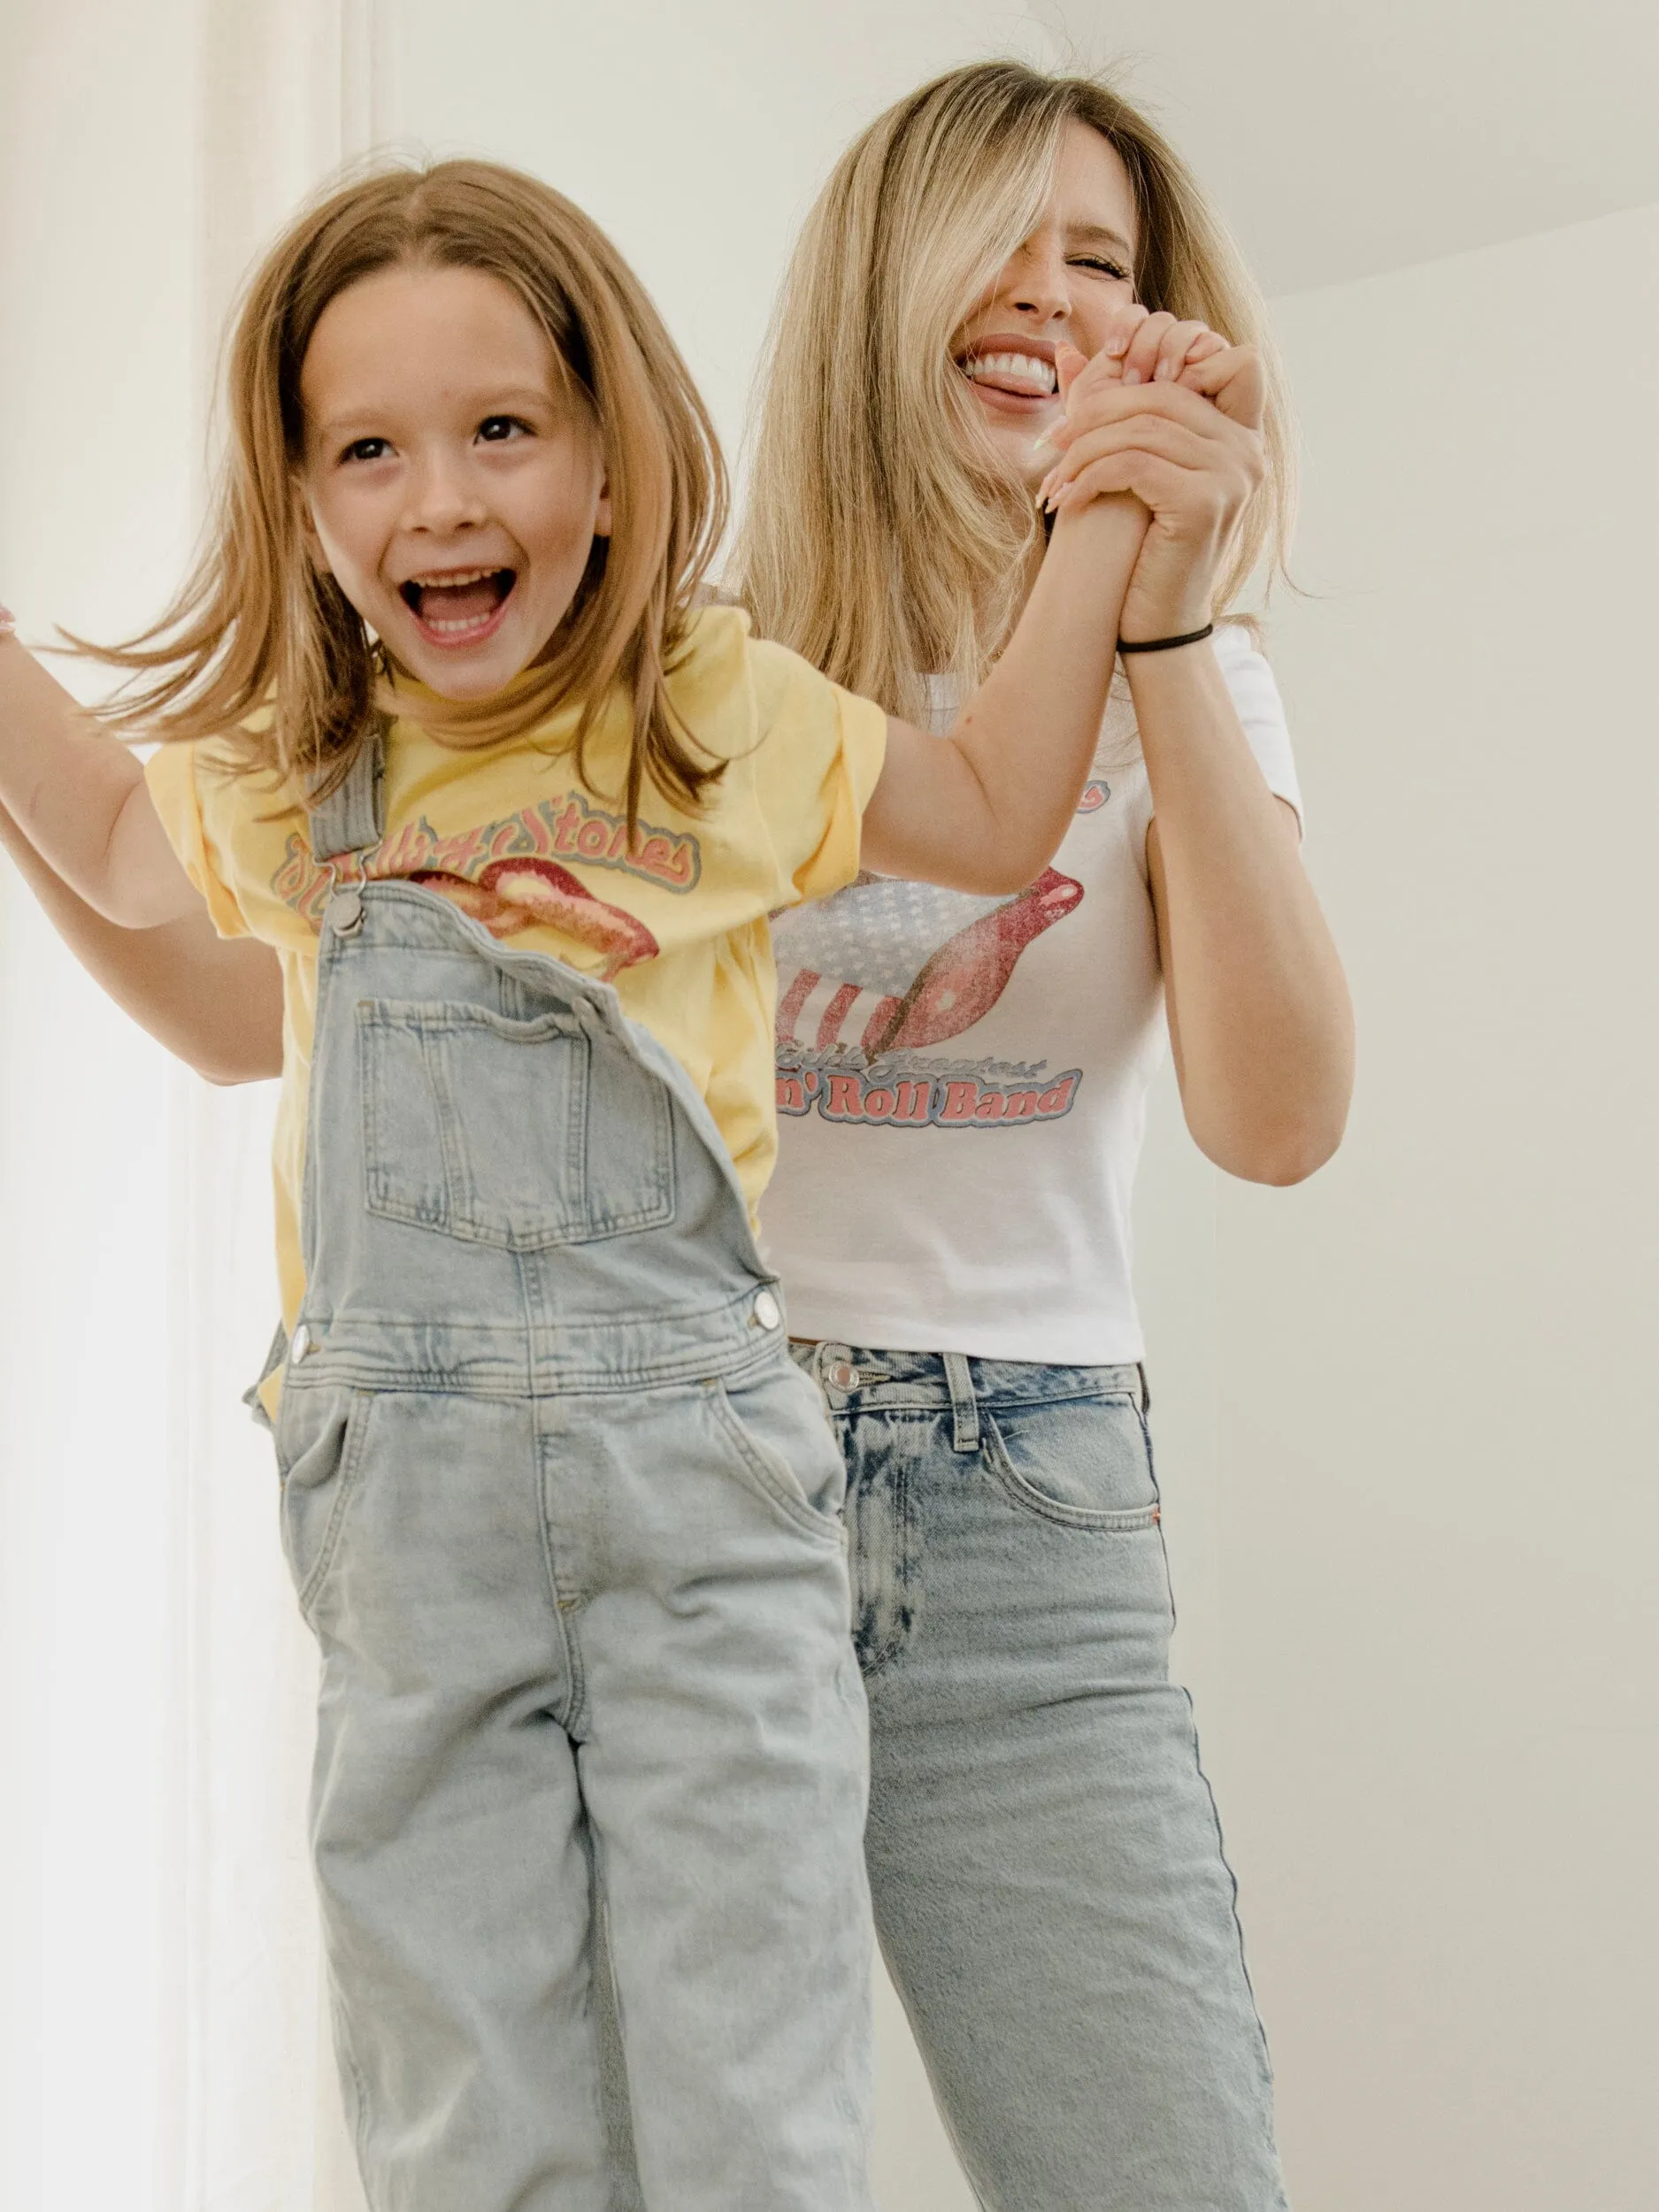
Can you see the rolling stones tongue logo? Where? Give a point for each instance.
(513, 895)
(869, 972)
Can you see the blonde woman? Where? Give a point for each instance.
(962, 1083)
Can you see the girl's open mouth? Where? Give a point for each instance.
(461, 608)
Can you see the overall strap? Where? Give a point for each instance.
(353, 817)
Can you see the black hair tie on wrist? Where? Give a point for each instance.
(1165, 644)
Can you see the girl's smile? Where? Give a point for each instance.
(459, 607)
(452, 483)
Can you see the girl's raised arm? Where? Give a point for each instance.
(80, 798)
(215, 1002)
(985, 808)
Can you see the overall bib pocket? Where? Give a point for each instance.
(517, 1133)
(1086, 1462)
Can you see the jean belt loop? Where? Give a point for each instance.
(964, 1406)
(1146, 1388)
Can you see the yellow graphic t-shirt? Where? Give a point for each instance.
(507, 831)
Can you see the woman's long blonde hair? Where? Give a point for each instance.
(261, 647)
(881, 539)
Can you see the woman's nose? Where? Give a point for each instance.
(1039, 283)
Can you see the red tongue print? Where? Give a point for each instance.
(966, 978)
(514, 895)
(869, 970)
(460, 602)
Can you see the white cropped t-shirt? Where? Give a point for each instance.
(962, 1081)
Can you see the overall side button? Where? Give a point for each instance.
(766, 1313)
(345, 913)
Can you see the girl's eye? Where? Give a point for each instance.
(366, 449)
(1106, 268)
(496, 429)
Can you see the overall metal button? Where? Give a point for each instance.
(345, 913)
(303, 1345)
(841, 1376)
(768, 1313)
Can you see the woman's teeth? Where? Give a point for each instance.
(1018, 372)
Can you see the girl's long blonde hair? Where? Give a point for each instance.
(881, 539)
(261, 647)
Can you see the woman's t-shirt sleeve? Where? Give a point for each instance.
(818, 760)
(1260, 709)
(172, 775)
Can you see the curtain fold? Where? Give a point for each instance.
(163, 2035)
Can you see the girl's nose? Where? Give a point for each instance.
(443, 495)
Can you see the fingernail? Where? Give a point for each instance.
(1131, 376)
(8, 622)
(1044, 445)
(1119, 344)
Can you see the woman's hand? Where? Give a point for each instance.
(1169, 411)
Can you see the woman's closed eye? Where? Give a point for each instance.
(1102, 266)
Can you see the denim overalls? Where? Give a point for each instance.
(563, 1517)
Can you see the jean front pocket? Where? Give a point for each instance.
(519, 1133)
(1086, 1462)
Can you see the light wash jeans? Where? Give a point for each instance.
(1043, 1849)
(564, 1518)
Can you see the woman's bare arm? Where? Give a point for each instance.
(1260, 1023)
(214, 1001)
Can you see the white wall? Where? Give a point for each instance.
(1416, 1393)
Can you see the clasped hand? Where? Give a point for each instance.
(1172, 412)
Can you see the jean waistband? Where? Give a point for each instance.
(876, 1380)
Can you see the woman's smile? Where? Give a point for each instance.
(1012, 374)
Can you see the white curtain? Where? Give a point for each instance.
(162, 2037)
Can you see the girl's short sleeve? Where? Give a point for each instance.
(818, 759)
(175, 793)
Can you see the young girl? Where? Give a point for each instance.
(444, 729)
(963, 1086)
